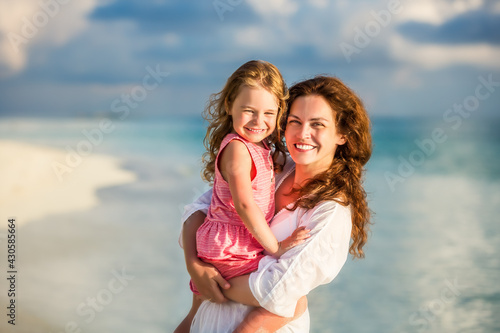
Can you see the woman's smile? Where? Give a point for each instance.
(311, 133)
(303, 147)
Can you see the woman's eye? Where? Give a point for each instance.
(317, 125)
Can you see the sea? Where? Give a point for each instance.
(431, 260)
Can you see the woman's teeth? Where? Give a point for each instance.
(304, 146)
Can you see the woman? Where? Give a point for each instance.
(328, 137)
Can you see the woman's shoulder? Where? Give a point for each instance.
(331, 205)
(329, 209)
(327, 218)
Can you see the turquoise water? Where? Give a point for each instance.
(431, 260)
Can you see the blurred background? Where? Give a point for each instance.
(101, 141)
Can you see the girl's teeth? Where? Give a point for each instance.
(254, 130)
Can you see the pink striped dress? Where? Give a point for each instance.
(223, 240)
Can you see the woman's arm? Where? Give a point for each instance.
(240, 291)
(259, 319)
(278, 284)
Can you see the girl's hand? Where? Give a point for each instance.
(298, 236)
(208, 280)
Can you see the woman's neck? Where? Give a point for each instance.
(303, 173)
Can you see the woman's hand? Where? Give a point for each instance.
(208, 280)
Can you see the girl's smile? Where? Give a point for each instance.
(254, 113)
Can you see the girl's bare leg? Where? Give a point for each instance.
(260, 320)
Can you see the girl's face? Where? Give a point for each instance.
(311, 133)
(254, 113)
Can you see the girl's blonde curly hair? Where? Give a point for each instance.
(255, 73)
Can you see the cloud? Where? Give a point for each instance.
(469, 28)
(439, 34)
(437, 12)
(170, 16)
(283, 8)
(432, 56)
(25, 23)
(12, 58)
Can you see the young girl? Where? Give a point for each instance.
(244, 125)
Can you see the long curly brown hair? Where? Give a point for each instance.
(254, 73)
(342, 182)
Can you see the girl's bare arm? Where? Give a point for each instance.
(236, 168)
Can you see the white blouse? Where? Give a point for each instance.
(279, 283)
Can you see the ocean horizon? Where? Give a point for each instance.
(431, 259)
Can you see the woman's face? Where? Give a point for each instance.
(311, 133)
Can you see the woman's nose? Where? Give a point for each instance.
(304, 132)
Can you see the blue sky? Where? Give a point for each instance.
(404, 58)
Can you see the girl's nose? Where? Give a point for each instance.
(258, 118)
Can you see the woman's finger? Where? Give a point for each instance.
(216, 295)
(222, 282)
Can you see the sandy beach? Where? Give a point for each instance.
(33, 188)
(39, 181)
(88, 222)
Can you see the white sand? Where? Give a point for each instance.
(31, 187)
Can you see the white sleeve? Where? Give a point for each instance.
(200, 204)
(279, 283)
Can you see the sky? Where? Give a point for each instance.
(68, 58)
